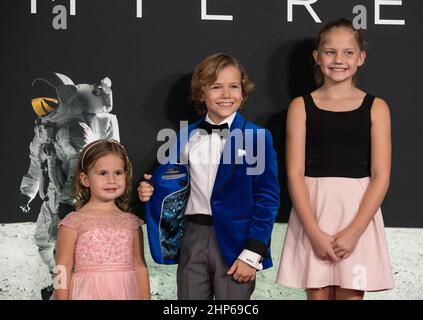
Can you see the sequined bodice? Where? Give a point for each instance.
(103, 241)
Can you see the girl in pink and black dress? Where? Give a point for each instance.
(338, 165)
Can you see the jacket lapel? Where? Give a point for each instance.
(224, 171)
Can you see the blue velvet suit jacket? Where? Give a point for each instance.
(244, 206)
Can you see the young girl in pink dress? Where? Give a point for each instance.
(99, 248)
(338, 165)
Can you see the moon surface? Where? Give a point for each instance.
(23, 274)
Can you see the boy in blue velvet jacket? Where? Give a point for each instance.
(233, 199)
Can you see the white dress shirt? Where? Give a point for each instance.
(203, 152)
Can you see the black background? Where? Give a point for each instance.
(150, 61)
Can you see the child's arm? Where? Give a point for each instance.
(65, 247)
(145, 189)
(346, 240)
(266, 194)
(141, 269)
(295, 166)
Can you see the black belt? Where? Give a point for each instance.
(203, 219)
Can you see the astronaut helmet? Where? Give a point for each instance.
(73, 100)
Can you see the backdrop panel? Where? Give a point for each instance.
(149, 60)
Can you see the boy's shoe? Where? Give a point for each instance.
(47, 292)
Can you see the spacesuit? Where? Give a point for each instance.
(54, 154)
(80, 116)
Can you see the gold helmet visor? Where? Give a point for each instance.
(44, 106)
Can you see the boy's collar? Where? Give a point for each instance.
(227, 120)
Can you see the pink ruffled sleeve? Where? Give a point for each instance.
(136, 222)
(71, 221)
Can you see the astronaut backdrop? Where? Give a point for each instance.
(73, 71)
(63, 126)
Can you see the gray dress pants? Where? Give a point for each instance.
(202, 271)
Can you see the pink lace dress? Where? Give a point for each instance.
(103, 258)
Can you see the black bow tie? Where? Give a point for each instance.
(208, 127)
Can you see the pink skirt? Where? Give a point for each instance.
(335, 202)
(101, 284)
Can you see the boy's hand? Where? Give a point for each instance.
(242, 272)
(145, 189)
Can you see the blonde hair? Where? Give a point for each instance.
(87, 159)
(206, 72)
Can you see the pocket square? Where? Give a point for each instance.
(241, 152)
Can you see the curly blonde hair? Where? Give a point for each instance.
(205, 74)
(87, 159)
